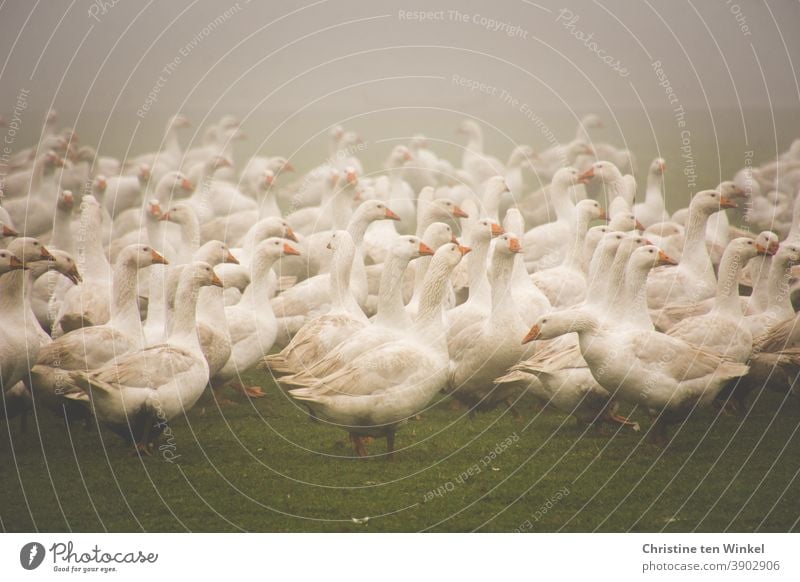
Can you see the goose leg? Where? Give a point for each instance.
(251, 391)
(221, 400)
(658, 433)
(143, 446)
(358, 444)
(624, 421)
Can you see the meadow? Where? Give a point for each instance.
(260, 465)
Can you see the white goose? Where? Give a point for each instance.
(88, 348)
(653, 210)
(376, 393)
(486, 349)
(674, 385)
(138, 394)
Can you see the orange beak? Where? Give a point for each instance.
(586, 176)
(165, 216)
(665, 259)
(408, 157)
(215, 281)
(287, 167)
(727, 203)
(425, 249)
(290, 234)
(187, 185)
(391, 215)
(497, 230)
(102, 184)
(68, 198)
(229, 258)
(459, 213)
(762, 250)
(352, 178)
(663, 167)
(639, 226)
(290, 250)
(269, 179)
(16, 264)
(514, 246)
(158, 258)
(603, 215)
(46, 254)
(773, 247)
(532, 335)
(464, 250)
(74, 276)
(8, 231)
(453, 239)
(155, 210)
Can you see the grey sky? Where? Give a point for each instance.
(357, 56)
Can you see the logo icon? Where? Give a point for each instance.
(31, 555)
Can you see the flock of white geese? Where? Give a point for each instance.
(127, 287)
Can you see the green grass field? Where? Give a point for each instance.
(261, 466)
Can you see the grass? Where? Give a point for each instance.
(261, 466)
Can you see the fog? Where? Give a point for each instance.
(116, 70)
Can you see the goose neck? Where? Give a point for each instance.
(124, 308)
(727, 298)
(391, 311)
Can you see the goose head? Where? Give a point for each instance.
(604, 171)
(731, 190)
(174, 183)
(625, 222)
(496, 186)
(64, 264)
(657, 167)
(769, 240)
(399, 155)
(66, 201)
(215, 252)
(444, 209)
(279, 164)
(470, 128)
(144, 174)
(410, 247)
(267, 180)
(592, 210)
(484, 230)
(29, 250)
(140, 256)
(566, 178)
(553, 325)
(99, 186)
(746, 248)
(577, 148)
(450, 255)
(649, 257)
(788, 253)
(273, 226)
(507, 245)
(153, 210)
(201, 274)
(180, 213)
(438, 234)
(520, 155)
(708, 202)
(178, 122)
(270, 250)
(9, 262)
(592, 121)
(371, 210)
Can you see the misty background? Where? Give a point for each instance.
(290, 70)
